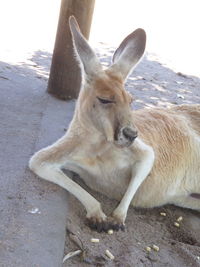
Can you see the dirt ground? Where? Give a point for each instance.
(153, 83)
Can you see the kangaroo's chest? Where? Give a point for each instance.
(108, 171)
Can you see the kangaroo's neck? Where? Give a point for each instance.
(84, 130)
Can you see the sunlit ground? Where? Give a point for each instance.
(172, 28)
(27, 26)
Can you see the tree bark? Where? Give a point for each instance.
(65, 76)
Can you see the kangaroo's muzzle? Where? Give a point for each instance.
(129, 133)
(125, 136)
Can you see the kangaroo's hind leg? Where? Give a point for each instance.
(192, 201)
(189, 195)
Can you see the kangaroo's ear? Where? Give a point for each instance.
(129, 52)
(85, 53)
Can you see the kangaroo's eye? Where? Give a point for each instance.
(105, 101)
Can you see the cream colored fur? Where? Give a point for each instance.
(160, 166)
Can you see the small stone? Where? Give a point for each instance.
(163, 214)
(148, 249)
(156, 248)
(110, 232)
(177, 224)
(109, 254)
(94, 240)
(180, 219)
(34, 211)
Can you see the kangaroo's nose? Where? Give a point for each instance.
(129, 133)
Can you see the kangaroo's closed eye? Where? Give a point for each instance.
(105, 101)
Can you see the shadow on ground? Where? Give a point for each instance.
(154, 84)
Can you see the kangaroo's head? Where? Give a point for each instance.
(103, 103)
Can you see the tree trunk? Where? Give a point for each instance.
(65, 76)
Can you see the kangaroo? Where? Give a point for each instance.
(146, 158)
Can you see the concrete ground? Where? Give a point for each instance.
(33, 212)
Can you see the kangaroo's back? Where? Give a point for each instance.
(192, 113)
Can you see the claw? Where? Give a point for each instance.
(116, 224)
(123, 227)
(96, 224)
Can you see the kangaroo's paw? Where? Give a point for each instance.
(116, 223)
(101, 225)
(97, 220)
(98, 225)
(117, 220)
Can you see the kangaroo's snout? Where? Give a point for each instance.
(129, 133)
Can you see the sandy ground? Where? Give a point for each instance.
(153, 83)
